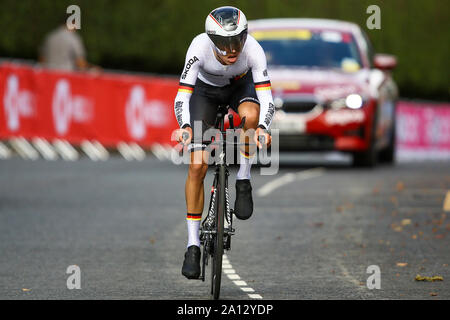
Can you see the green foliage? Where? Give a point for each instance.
(152, 36)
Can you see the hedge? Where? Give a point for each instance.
(152, 36)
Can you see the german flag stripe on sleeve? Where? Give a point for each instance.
(194, 216)
(264, 85)
(246, 154)
(184, 87)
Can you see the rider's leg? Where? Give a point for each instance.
(243, 206)
(250, 111)
(194, 191)
(202, 108)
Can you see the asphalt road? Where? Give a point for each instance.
(312, 236)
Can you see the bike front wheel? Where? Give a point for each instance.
(216, 265)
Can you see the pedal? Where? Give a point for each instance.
(227, 242)
(199, 279)
(228, 232)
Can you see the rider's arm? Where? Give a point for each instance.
(261, 79)
(187, 82)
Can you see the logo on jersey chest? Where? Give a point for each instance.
(188, 67)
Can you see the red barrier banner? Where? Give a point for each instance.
(108, 108)
(423, 131)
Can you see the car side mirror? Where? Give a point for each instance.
(384, 61)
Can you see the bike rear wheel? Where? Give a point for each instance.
(216, 265)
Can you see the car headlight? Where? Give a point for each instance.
(352, 101)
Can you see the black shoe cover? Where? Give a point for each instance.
(191, 264)
(243, 206)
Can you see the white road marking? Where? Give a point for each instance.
(229, 270)
(89, 149)
(288, 178)
(138, 153)
(24, 148)
(232, 275)
(5, 153)
(125, 150)
(160, 152)
(102, 152)
(65, 150)
(240, 283)
(45, 149)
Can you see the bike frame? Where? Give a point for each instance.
(213, 232)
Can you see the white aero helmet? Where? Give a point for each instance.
(227, 29)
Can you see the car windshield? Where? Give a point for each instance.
(310, 49)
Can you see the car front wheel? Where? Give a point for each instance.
(369, 157)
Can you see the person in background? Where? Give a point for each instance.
(63, 49)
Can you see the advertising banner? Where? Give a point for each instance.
(423, 131)
(109, 108)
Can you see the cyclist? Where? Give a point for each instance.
(224, 66)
